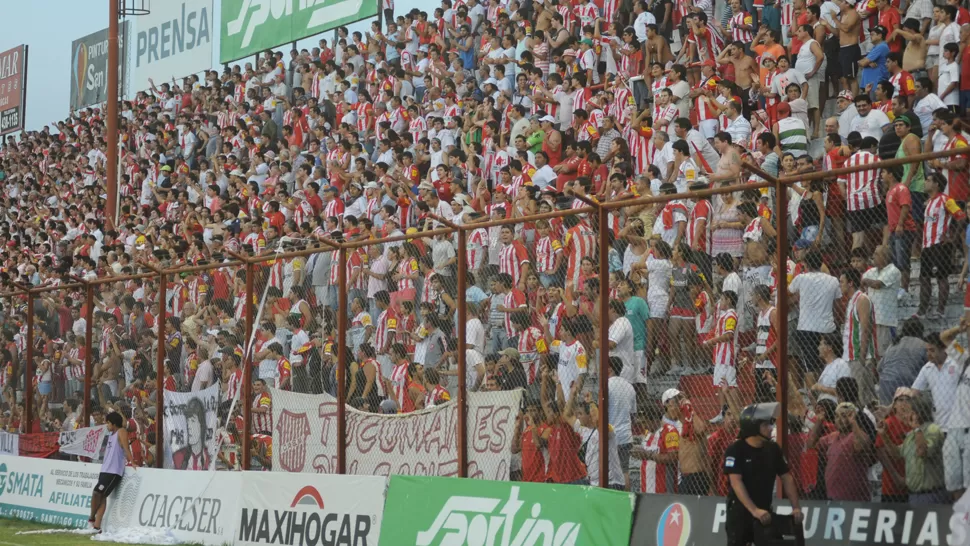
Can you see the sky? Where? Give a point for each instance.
(48, 33)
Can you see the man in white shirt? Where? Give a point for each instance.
(203, 376)
(868, 122)
(927, 102)
(883, 283)
(817, 293)
(623, 404)
(644, 18)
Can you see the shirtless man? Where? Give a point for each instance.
(745, 71)
(658, 48)
(729, 166)
(847, 28)
(694, 464)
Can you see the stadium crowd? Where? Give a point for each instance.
(489, 110)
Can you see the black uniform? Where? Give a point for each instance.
(758, 468)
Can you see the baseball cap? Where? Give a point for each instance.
(669, 395)
(569, 53)
(880, 29)
(783, 109)
(847, 95)
(510, 352)
(548, 118)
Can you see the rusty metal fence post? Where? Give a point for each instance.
(29, 365)
(342, 368)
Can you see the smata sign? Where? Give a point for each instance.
(13, 89)
(251, 26)
(310, 510)
(50, 492)
(89, 67)
(173, 41)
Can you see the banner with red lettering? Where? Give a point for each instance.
(84, 442)
(422, 443)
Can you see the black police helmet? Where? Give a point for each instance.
(753, 416)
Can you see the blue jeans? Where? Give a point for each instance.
(965, 99)
(498, 339)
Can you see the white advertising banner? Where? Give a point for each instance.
(423, 443)
(47, 491)
(310, 509)
(84, 442)
(195, 507)
(173, 41)
(9, 444)
(190, 428)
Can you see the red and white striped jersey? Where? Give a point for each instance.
(622, 97)
(234, 384)
(641, 145)
(586, 13)
(863, 187)
(511, 258)
(724, 351)
(547, 249)
(656, 477)
(940, 210)
(418, 128)
(476, 248)
(580, 241)
(386, 328)
(531, 344)
(379, 386)
(514, 299)
(740, 34)
(407, 267)
(400, 382)
(262, 422)
(700, 212)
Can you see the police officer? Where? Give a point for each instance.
(752, 463)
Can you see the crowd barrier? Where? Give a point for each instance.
(317, 509)
(214, 508)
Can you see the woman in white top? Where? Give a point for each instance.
(933, 41)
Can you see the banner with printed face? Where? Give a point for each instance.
(9, 444)
(13, 89)
(197, 508)
(173, 41)
(310, 509)
(84, 442)
(89, 67)
(423, 443)
(190, 428)
(50, 492)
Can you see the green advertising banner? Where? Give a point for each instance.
(251, 26)
(423, 511)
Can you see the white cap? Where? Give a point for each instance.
(669, 395)
(236, 172)
(548, 118)
(371, 186)
(492, 81)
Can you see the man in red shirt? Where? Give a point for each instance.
(530, 442)
(903, 82)
(889, 437)
(890, 18)
(717, 444)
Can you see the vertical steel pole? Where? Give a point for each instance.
(781, 191)
(245, 397)
(29, 367)
(604, 342)
(342, 306)
(462, 347)
(112, 114)
(160, 438)
(88, 344)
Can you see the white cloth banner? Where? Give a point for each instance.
(84, 442)
(423, 443)
(190, 428)
(9, 444)
(173, 41)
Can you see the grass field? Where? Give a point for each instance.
(9, 537)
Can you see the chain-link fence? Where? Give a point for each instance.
(470, 344)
